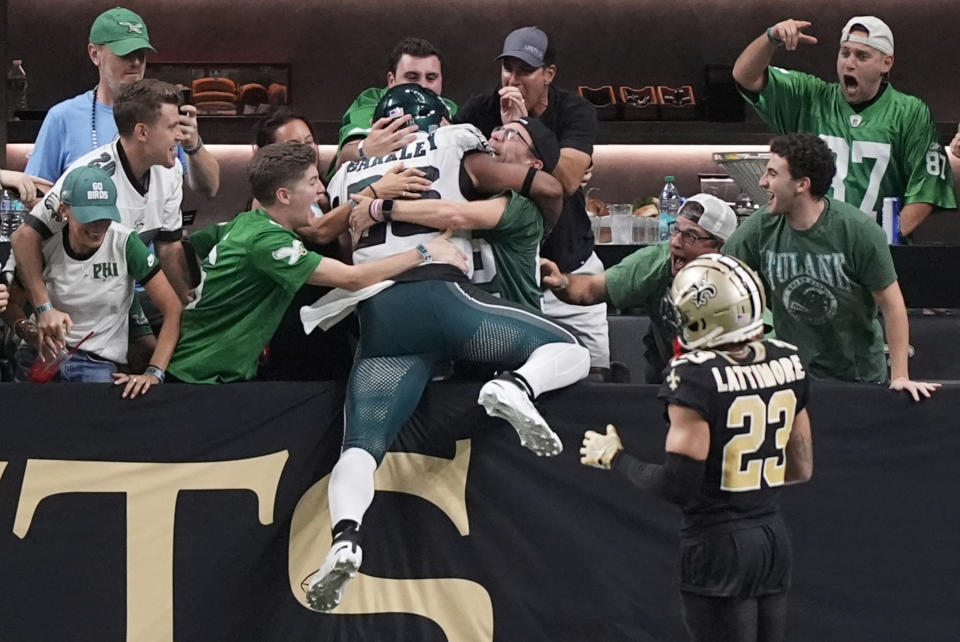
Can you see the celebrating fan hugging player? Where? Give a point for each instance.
(429, 317)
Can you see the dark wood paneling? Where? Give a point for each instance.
(338, 47)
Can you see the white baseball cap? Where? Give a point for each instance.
(710, 213)
(878, 35)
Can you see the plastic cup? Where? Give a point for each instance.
(646, 230)
(621, 223)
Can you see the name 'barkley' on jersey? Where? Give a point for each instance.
(439, 156)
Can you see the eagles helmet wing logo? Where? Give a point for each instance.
(290, 254)
(703, 291)
(132, 27)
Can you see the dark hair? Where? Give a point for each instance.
(265, 130)
(140, 102)
(416, 47)
(807, 156)
(550, 55)
(278, 165)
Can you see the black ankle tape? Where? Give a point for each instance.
(346, 529)
(518, 379)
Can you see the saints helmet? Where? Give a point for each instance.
(426, 107)
(715, 300)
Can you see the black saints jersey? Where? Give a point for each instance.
(749, 404)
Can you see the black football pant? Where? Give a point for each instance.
(735, 619)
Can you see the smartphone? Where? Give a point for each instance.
(186, 94)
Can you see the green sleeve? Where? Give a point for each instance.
(638, 281)
(871, 255)
(356, 120)
(205, 238)
(742, 244)
(785, 100)
(281, 256)
(520, 227)
(927, 166)
(142, 265)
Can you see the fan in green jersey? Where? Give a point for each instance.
(253, 266)
(885, 142)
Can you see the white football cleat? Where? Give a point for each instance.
(325, 587)
(504, 399)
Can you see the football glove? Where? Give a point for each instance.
(599, 450)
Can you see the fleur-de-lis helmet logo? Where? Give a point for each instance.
(703, 291)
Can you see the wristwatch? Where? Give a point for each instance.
(425, 253)
(155, 371)
(387, 209)
(191, 152)
(46, 306)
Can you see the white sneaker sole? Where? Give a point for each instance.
(532, 429)
(324, 593)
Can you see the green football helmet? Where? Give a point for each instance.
(426, 107)
(716, 300)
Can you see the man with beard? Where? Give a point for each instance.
(885, 142)
(641, 279)
(827, 268)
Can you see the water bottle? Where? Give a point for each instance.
(669, 206)
(11, 215)
(16, 87)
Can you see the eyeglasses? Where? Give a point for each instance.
(510, 133)
(688, 237)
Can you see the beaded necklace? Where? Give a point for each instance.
(93, 118)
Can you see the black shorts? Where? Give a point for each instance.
(737, 560)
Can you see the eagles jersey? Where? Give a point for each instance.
(439, 155)
(251, 270)
(506, 258)
(749, 405)
(97, 290)
(890, 148)
(153, 214)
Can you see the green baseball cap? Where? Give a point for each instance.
(122, 30)
(91, 195)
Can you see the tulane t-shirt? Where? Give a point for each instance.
(820, 284)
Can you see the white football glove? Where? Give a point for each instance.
(599, 450)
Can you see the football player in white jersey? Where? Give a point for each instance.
(430, 316)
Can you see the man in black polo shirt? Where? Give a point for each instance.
(526, 77)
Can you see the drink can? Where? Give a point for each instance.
(891, 219)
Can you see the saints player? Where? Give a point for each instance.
(828, 269)
(885, 142)
(738, 432)
(144, 166)
(89, 271)
(429, 317)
